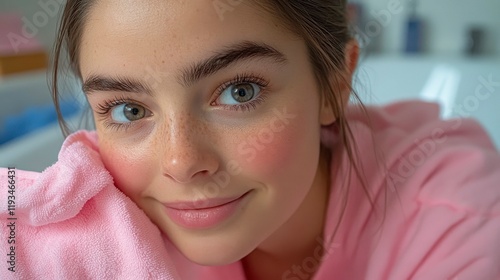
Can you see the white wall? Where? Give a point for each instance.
(446, 22)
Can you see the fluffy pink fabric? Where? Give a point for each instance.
(72, 223)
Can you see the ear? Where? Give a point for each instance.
(327, 113)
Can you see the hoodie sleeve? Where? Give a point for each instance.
(435, 187)
(452, 229)
(447, 176)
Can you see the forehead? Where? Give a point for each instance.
(122, 33)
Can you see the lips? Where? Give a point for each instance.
(203, 214)
(202, 204)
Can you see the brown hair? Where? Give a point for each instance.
(68, 38)
(322, 24)
(324, 27)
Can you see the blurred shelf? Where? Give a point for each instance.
(435, 57)
(463, 86)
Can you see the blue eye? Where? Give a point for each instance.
(125, 113)
(239, 93)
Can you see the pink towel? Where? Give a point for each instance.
(72, 223)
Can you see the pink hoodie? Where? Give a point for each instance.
(439, 182)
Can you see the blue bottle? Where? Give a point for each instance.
(414, 31)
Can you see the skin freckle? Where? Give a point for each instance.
(269, 144)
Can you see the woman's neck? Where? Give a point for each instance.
(293, 244)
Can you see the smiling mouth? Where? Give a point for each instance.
(203, 203)
(204, 214)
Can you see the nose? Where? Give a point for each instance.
(187, 154)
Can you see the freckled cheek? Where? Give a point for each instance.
(281, 157)
(129, 168)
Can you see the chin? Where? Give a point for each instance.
(211, 260)
(212, 253)
(216, 258)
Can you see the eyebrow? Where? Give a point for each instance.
(228, 56)
(221, 59)
(100, 83)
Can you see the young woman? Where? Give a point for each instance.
(227, 124)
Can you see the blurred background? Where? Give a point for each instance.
(446, 51)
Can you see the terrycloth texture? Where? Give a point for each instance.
(439, 182)
(72, 223)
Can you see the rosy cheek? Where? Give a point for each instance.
(127, 167)
(265, 150)
(277, 152)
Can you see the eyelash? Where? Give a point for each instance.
(104, 108)
(241, 79)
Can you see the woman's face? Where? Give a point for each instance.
(208, 118)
